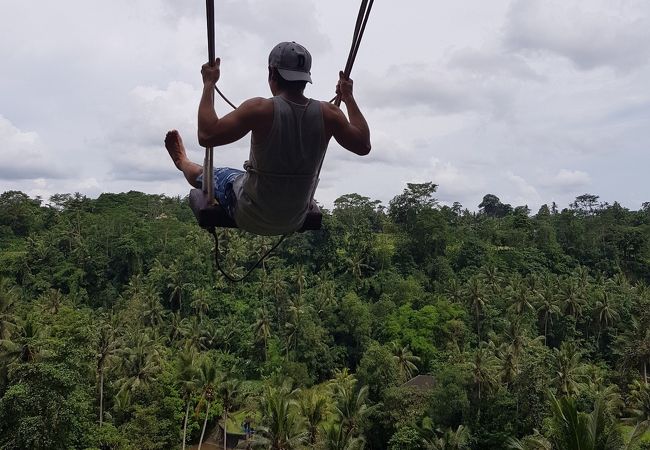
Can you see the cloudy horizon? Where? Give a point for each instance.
(534, 101)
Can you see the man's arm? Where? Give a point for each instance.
(353, 135)
(214, 131)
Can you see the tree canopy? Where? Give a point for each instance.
(116, 332)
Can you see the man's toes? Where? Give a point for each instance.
(173, 138)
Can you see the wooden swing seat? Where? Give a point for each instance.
(213, 215)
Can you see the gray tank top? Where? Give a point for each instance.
(273, 195)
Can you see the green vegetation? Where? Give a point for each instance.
(116, 332)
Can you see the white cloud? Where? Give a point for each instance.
(453, 183)
(521, 192)
(387, 150)
(590, 34)
(24, 155)
(152, 110)
(493, 64)
(137, 151)
(436, 91)
(569, 179)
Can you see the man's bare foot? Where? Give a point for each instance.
(175, 147)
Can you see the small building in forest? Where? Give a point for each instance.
(421, 382)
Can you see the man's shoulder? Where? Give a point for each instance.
(331, 112)
(327, 105)
(256, 102)
(254, 110)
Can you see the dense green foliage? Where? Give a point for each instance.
(116, 332)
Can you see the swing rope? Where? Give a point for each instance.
(208, 172)
(213, 232)
(359, 28)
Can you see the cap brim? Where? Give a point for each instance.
(292, 75)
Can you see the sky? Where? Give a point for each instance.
(534, 101)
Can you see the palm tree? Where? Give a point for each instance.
(483, 367)
(236, 251)
(195, 334)
(575, 430)
(153, 312)
(121, 404)
(200, 303)
(300, 278)
(25, 347)
(260, 248)
(262, 329)
(356, 266)
(490, 275)
(227, 391)
(137, 287)
(635, 435)
(313, 407)
(350, 411)
(533, 442)
(516, 338)
(568, 368)
(52, 300)
(509, 363)
(297, 310)
(572, 429)
(107, 347)
(476, 299)
(263, 283)
(548, 307)
(326, 294)
(582, 277)
(177, 327)
(571, 298)
(638, 411)
(282, 426)
(406, 361)
(176, 285)
(519, 296)
(278, 287)
(633, 346)
(335, 437)
(456, 329)
(139, 362)
(351, 408)
(277, 284)
(214, 337)
(620, 281)
(207, 380)
(642, 290)
(448, 439)
(606, 312)
(455, 290)
(639, 401)
(534, 282)
(342, 379)
(187, 379)
(8, 296)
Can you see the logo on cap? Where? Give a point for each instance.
(292, 60)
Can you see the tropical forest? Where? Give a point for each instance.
(412, 325)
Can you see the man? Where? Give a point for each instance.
(290, 134)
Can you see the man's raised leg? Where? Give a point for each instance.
(176, 149)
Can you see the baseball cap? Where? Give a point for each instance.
(292, 60)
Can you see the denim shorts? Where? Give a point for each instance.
(223, 192)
